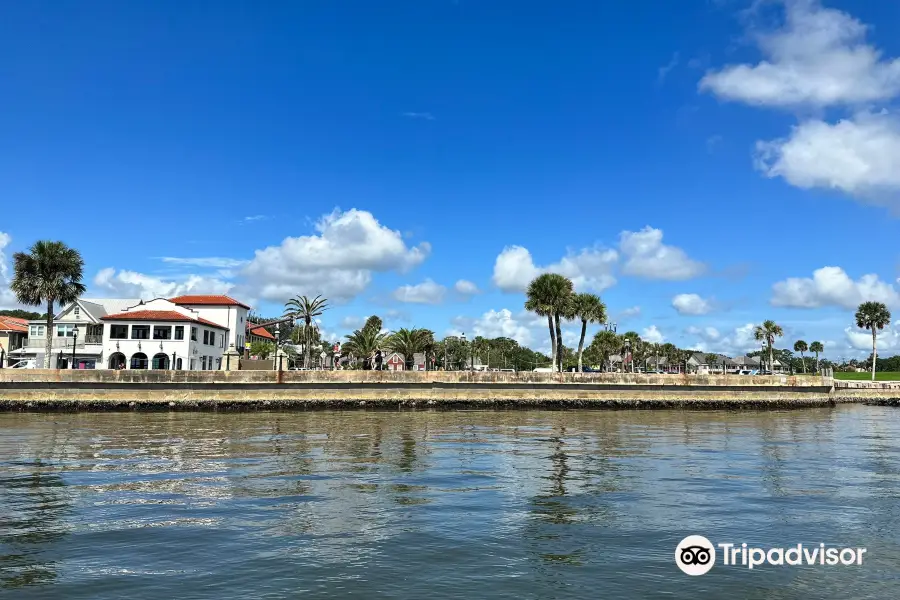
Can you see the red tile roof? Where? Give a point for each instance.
(208, 301)
(260, 332)
(159, 315)
(13, 324)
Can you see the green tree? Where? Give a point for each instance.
(711, 359)
(301, 308)
(874, 316)
(550, 295)
(22, 314)
(588, 308)
(801, 347)
(408, 342)
(767, 332)
(374, 323)
(262, 349)
(363, 343)
(49, 273)
(605, 344)
(816, 348)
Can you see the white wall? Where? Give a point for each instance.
(233, 317)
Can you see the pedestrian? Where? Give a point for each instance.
(378, 360)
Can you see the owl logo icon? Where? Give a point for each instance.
(695, 555)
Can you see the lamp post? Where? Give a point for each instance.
(627, 352)
(465, 347)
(762, 356)
(74, 343)
(277, 338)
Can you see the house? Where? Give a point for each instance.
(257, 334)
(187, 332)
(13, 335)
(395, 362)
(698, 363)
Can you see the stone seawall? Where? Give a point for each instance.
(885, 393)
(192, 390)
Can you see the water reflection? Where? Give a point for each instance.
(438, 504)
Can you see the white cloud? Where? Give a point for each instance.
(427, 292)
(425, 116)
(653, 335)
(130, 284)
(589, 269)
(502, 323)
(634, 311)
(736, 342)
(466, 288)
(708, 334)
(887, 339)
(831, 286)
(352, 323)
(664, 71)
(253, 218)
(646, 256)
(691, 304)
(818, 58)
(338, 262)
(214, 262)
(859, 155)
(7, 298)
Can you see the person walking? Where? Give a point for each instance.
(378, 360)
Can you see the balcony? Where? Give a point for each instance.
(64, 342)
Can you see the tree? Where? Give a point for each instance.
(874, 316)
(550, 295)
(364, 342)
(817, 347)
(374, 323)
(589, 309)
(634, 342)
(50, 272)
(302, 308)
(261, 349)
(767, 332)
(18, 313)
(604, 344)
(801, 347)
(711, 359)
(408, 342)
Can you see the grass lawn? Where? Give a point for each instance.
(879, 376)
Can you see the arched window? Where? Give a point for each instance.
(139, 361)
(160, 361)
(117, 361)
(178, 364)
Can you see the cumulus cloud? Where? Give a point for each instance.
(736, 342)
(707, 334)
(337, 262)
(590, 269)
(502, 323)
(859, 156)
(653, 335)
(130, 284)
(466, 288)
(861, 339)
(634, 311)
(7, 298)
(817, 57)
(427, 292)
(215, 262)
(831, 286)
(646, 256)
(691, 304)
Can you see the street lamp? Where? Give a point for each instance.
(74, 343)
(627, 352)
(762, 356)
(277, 337)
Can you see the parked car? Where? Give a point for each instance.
(25, 364)
(543, 370)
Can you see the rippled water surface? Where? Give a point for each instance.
(572, 504)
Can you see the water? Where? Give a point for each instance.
(576, 504)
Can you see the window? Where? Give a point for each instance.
(212, 338)
(179, 333)
(36, 330)
(178, 361)
(193, 363)
(193, 337)
(162, 332)
(219, 364)
(65, 330)
(77, 312)
(202, 363)
(140, 332)
(118, 332)
(206, 337)
(222, 340)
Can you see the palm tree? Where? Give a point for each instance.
(550, 295)
(363, 343)
(668, 351)
(801, 347)
(767, 332)
(590, 309)
(817, 347)
(604, 344)
(302, 308)
(711, 359)
(50, 272)
(634, 341)
(874, 316)
(408, 342)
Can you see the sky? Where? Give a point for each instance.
(702, 165)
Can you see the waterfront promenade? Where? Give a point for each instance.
(130, 389)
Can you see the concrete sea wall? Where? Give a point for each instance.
(102, 389)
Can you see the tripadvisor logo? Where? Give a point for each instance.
(696, 555)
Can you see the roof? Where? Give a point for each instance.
(210, 300)
(160, 315)
(13, 324)
(260, 332)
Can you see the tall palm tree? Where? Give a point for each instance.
(550, 295)
(801, 347)
(363, 343)
(589, 308)
(50, 272)
(874, 316)
(817, 347)
(409, 342)
(767, 332)
(302, 308)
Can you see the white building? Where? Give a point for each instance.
(185, 333)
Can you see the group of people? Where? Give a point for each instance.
(375, 362)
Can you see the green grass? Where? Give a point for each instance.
(879, 376)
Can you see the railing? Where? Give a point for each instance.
(93, 339)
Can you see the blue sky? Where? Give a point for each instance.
(702, 165)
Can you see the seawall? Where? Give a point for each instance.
(104, 390)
